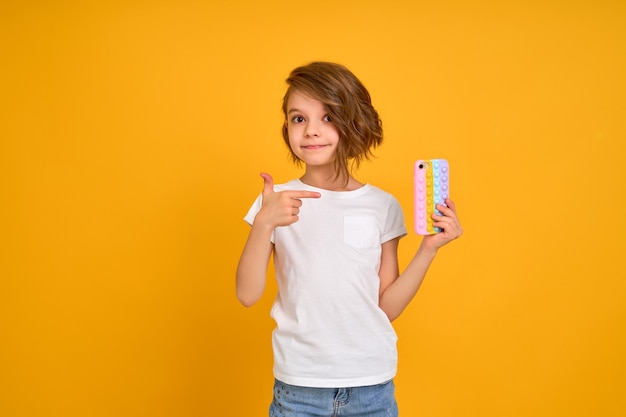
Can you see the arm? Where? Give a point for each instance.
(252, 268)
(400, 290)
(278, 209)
(396, 292)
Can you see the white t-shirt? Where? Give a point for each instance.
(330, 331)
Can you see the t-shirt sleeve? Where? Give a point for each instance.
(254, 209)
(394, 222)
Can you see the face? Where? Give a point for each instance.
(312, 135)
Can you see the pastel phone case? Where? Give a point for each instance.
(432, 187)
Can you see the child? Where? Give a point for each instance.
(335, 246)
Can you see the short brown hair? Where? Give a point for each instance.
(349, 106)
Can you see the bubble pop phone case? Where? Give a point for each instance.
(432, 187)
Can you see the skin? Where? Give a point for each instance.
(314, 139)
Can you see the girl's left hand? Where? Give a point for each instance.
(448, 222)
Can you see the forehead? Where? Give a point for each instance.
(301, 101)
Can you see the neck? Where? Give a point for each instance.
(327, 180)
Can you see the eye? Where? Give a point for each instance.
(327, 118)
(297, 119)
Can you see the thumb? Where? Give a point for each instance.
(268, 184)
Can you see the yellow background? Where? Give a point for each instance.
(132, 135)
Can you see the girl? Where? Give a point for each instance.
(335, 246)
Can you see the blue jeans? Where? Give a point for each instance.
(370, 401)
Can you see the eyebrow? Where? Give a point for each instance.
(294, 111)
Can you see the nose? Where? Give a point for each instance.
(312, 129)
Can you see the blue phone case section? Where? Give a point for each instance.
(440, 184)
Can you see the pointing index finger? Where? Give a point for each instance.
(303, 194)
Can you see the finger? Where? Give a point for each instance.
(268, 184)
(448, 224)
(302, 194)
(447, 221)
(447, 229)
(441, 221)
(447, 210)
(451, 204)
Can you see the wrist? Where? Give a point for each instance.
(427, 250)
(261, 223)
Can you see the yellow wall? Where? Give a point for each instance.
(132, 135)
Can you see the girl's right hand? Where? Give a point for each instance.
(281, 208)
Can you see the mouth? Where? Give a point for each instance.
(313, 147)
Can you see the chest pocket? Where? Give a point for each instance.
(361, 232)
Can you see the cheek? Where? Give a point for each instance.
(295, 133)
(292, 144)
(335, 135)
(333, 131)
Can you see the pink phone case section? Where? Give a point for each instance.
(432, 187)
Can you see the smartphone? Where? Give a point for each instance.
(432, 187)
